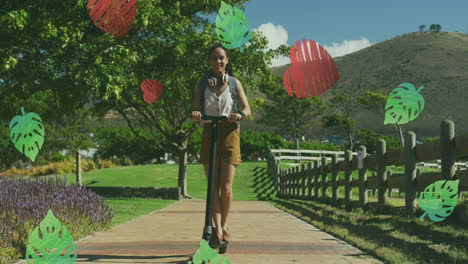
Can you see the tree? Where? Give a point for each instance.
(38, 52)
(73, 133)
(421, 28)
(342, 122)
(340, 117)
(289, 115)
(375, 102)
(438, 27)
(432, 27)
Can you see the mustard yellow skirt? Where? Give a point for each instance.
(228, 146)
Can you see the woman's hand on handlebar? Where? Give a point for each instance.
(196, 115)
(233, 117)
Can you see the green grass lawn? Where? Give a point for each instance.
(165, 175)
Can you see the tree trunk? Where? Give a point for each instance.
(182, 179)
(78, 168)
(296, 136)
(402, 138)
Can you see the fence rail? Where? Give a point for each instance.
(277, 154)
(312, 181)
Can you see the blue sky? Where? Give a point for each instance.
(352, 24)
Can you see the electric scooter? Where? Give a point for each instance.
(208, 235)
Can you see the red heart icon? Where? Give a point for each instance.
(152, 90)
(312, 70)
(114, 17)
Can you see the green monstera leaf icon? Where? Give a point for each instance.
(232, 27)
(439, 199)
(205, 254)
(50, 242)
(27, 133)
(404, 104)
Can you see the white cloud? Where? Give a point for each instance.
(276, 36)
(348, 46)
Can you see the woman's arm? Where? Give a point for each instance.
(244, 103)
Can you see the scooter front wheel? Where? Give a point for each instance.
(223, 247)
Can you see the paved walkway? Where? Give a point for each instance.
(260, 232)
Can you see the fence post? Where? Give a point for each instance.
(304, 182)
(293, 181)
(279, 193)
(316, 177)
(277, 173)
(285, 184)
(335, 193)
(296, 181)
(363, 179)
(382, 170)
(410, 171)
(309, 180)
(389, 189)
(324, 178)
(447, 146)
(348, 178)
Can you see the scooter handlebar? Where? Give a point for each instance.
(213, 118)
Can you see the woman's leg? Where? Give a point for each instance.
(227, 176)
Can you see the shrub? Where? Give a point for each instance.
(369, 139)
(57, 157)
(120, 142)
(66, 166)
(429, 139)
(313, 146)
(254, 145)
(24, 203)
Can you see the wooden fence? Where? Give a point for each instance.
(312, 181)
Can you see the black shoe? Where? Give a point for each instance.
(214, 241)
(223, 247)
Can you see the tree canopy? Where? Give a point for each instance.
(290, 115)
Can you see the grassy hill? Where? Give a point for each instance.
(436, 60)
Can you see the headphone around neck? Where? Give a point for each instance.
(214, 80)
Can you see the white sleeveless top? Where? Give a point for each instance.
(218, 106)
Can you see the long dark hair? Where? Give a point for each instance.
(228, 54)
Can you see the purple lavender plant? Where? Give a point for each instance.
(24, 203)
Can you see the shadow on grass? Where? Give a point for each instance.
(264, 187)
(370, 229)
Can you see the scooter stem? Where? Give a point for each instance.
(208, 230)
